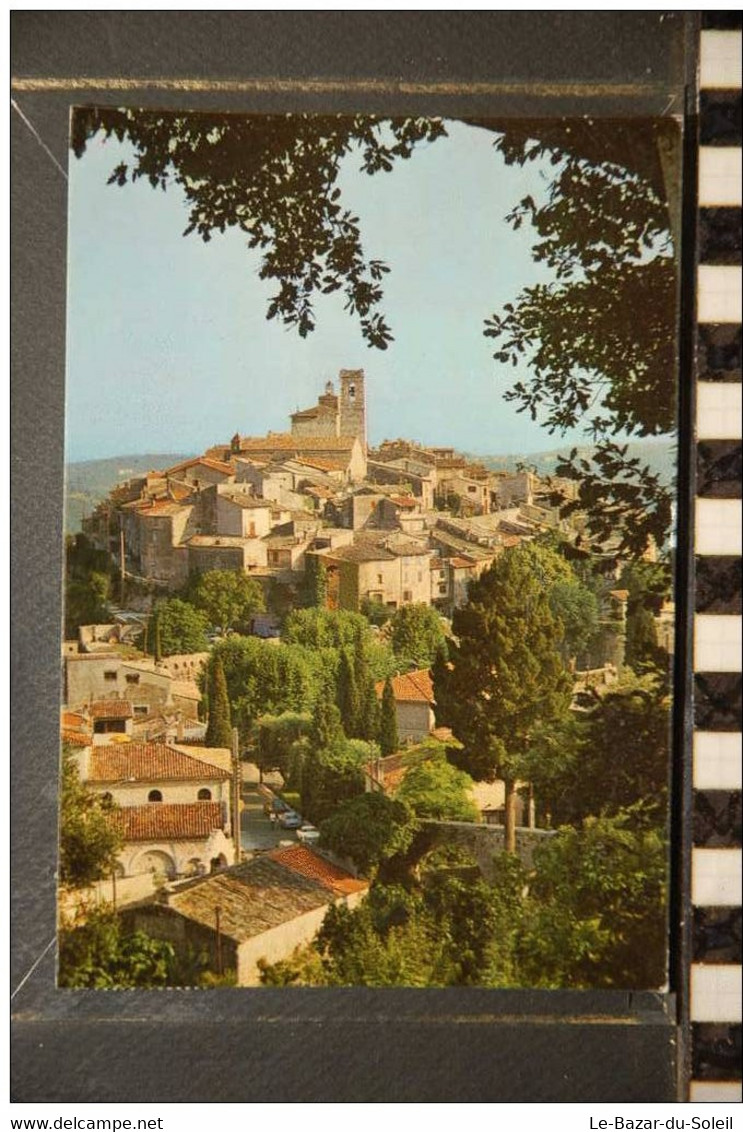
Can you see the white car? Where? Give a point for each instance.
(308, 834)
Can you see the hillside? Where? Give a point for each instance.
(89, 481)
(658, 453)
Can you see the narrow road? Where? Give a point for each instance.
(256, 831)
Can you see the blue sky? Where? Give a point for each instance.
(169, 348)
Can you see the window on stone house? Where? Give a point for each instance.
(204, 795)
(109, 674)
(141, 709)
(132, 677)
(379, 579)
(443, 588)
(155, 796)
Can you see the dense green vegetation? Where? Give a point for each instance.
(88, 842)
(88, 584)
(590, 910)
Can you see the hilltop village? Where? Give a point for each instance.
(369, 539)
(399, 524)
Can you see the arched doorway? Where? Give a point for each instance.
(156, 861)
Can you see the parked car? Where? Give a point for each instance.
(308, 834)
(290, 820)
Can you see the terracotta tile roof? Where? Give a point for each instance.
(404, 500)
(161, 821)
(180, 491)
(286, 442)
(253, 897)
(203, 461)
(460, 563)
(214, 756)
(111, 709)
(75, 738)
(376, 548)
(621, 595)
(411, 687)
(302, 860)
(147, 762)
(73, 720)
(306, 414)
(321, 465)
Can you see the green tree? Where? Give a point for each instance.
(577, 609)
(324, 628)
(417, 634)
(330, 776)
(348, 695)
(435, 789)
(228, 598)
(367, 722)
(596, 914)
(178, 627)
(88, 839)
(599, 338)
(642, 651)
(479, 920)
(315, 589)
(390, 940)
(573, 603)
(100, 954)
(388, 737)
(276, 743)
(369, 829)
(505, 675)
(219, 727)
(268, 678)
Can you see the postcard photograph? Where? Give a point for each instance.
(371, 443)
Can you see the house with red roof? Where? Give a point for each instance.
(414, 704)
(173, 809)
(260, 910)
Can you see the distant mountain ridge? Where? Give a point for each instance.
(658, 453)
(90, 481)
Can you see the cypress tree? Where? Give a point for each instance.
(219, 728)
(367, 726)
(388, 738)
(348, 695)
(315, 583)
(326, 727)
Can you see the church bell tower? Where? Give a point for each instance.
(352, 405)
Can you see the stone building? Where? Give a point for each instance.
(150, 689)
(341, 414)
(387, 568)
(174, 809)
(262, 909)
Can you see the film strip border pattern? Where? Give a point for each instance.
(715, 974)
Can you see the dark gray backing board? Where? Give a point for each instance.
(273, 1045)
